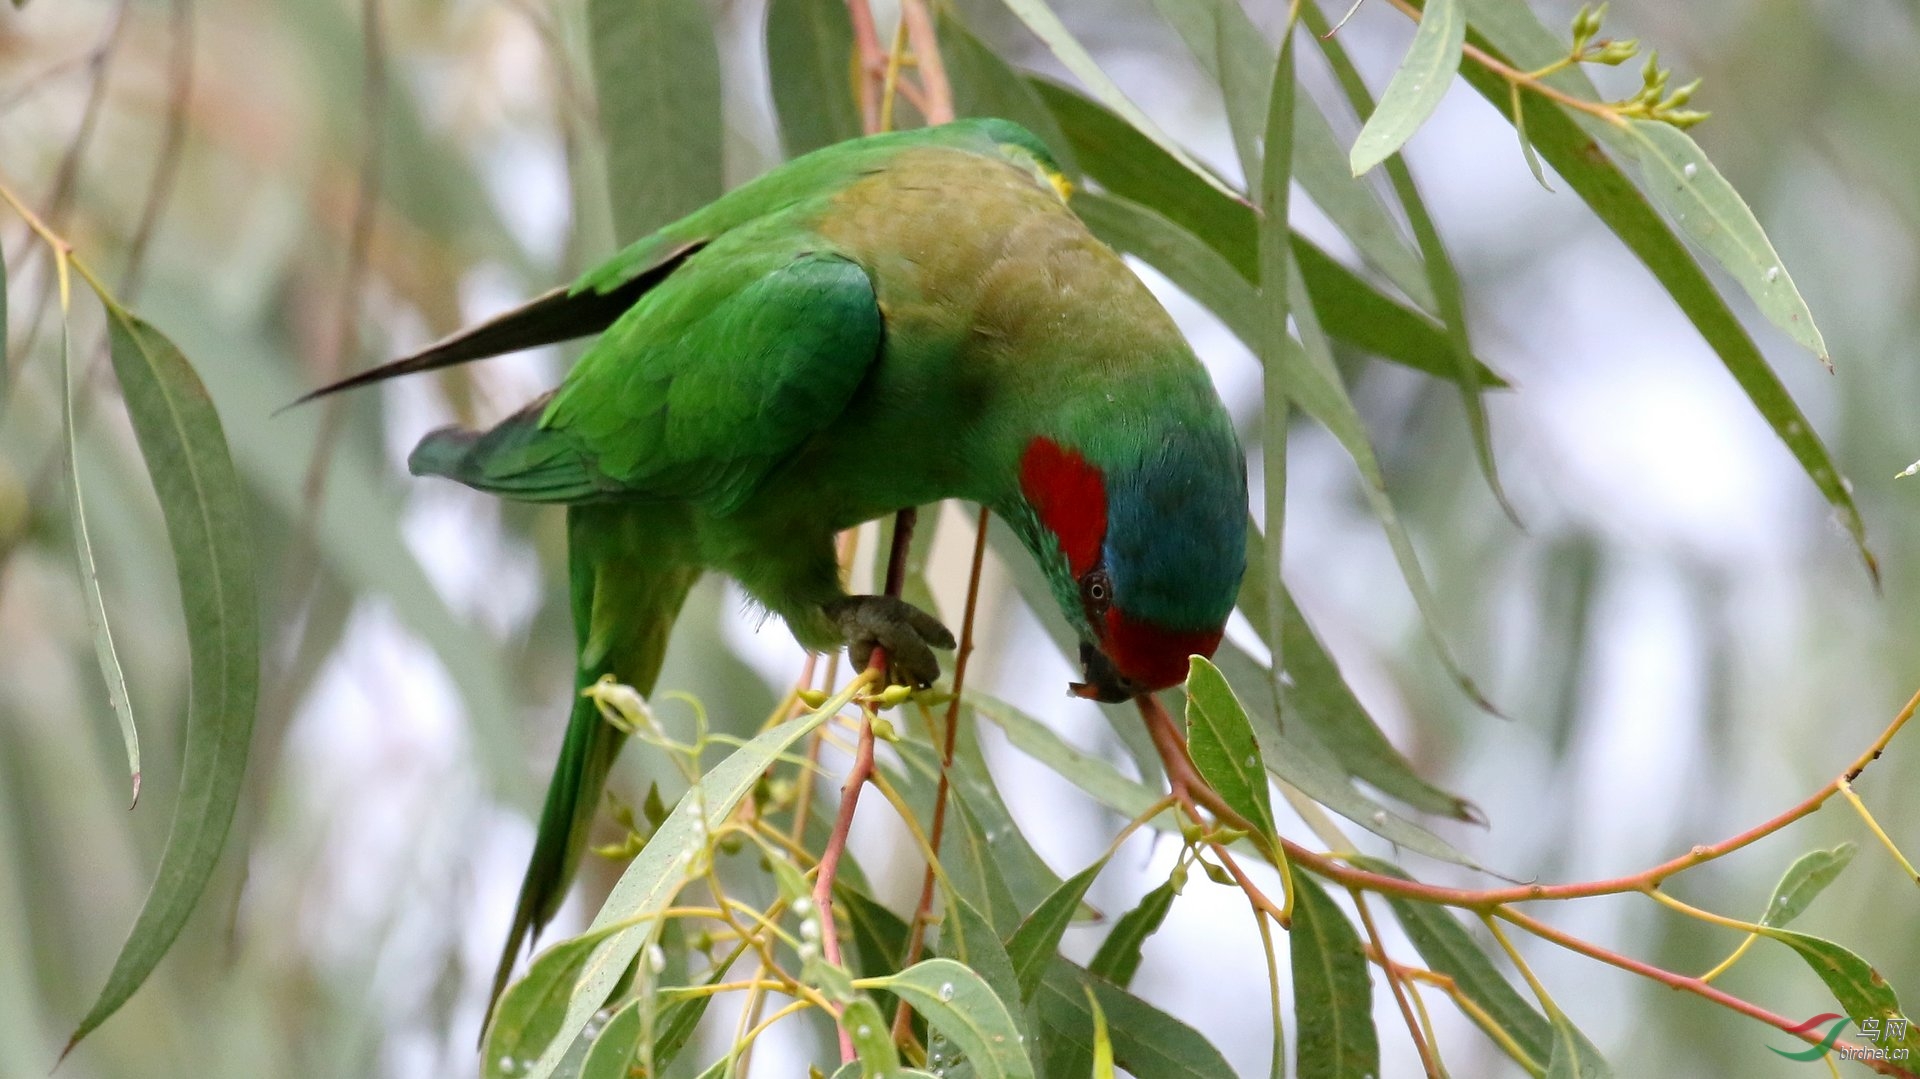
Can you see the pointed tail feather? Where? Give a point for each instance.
(554, 316)
(630, 573)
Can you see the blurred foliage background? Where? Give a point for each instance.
(1681, 639)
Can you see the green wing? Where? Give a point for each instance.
(712, 379)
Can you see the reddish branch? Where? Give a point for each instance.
(902, 1018)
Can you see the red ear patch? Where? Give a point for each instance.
(1070, 496)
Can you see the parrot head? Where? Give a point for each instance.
(1143, 537)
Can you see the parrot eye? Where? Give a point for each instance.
(1096, 591)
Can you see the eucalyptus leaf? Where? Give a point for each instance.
(809, 66)
(958, 1003)
(872, 1037)
(1046, 25)
(208, 530)
(657, 874)
(1574, 1057)
(1332, 990)
(1102, 1042)
(1417, 87)
(531, 1011)
(1707, 208)
(1146, 1040)
(656, 71)
(967, 936)
(1861, 990)
(1804, 881)
(1221, 740)
(1447, 948)
(1576, 156)
(1119, 956)
(1032, 945)
(104, 651)
(986, 85)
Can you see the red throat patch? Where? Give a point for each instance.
(1070, 497)
(1154, 657)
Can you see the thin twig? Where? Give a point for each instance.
(1428, 1060)
(938, 104)
(916, 937)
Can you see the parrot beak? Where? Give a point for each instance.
(1103, 682)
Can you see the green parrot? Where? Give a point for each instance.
(882, 323)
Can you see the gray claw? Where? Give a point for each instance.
(908, 634)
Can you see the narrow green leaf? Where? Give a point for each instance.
(1102, 1043)
(1351, 309)
(618, 1048)
(1119, 956)
(656, 875)
(1574, 1057)
(1705, 206)
(1090, 773)
(1861, 990)
(1320, 166)
(1332, 991)
(1804, 880)
(1315, 694)
(1276, 260)
(1442, 280)
(656, 72)
(1033, 944)
(1446, 947)
(1578, 159)
(1146, 1040)
(967, 936)
(211, 538)
(1234, 54)
(879, 935)
(958, 1003)
(103, 647)
(533, 1008)
(810, 68)
(1067, 49)
(1314, 382)
(872, 1037)
(1417, 87)
(612, 1054)
(986, 85)
(1220, 737)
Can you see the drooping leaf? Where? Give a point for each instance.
(879, 936)
(1861, 990)
(1332, 991)
(1805, 880)
(1220, 737)
(1512, 33)
(96, 601)
(1443, 282)
(1119, 955)
(871, 1036)
(656, 875)
(1146, 1040)
(1033, 944)
(1417, 87)
(967, 936)
(958, 1003)
(986, 85)
(1446, 947)
(210, 535)
(1316, 695)
(1047, 26)
(810, 67)
(656, 72)
(1707, 208)
(1276, 410)
(532, 1009)
(612, 1054)
(1574, 1057)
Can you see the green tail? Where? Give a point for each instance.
(630, 574)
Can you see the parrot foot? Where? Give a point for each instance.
(908, 634)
